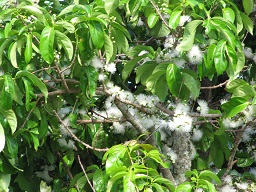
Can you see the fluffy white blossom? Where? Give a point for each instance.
(232, 123)
(203, 107)
(180, 63)
(172, 155)
(242, 185)
(195, 55)
(197, 135)
(248, 52)
(181, 122)
(249, 112)
(140, 22)
(222, 101)
(114, 112)
(181, 109)
(118, 128)
(102, 77)
(184, 19)
(228, 188)
(227, 179)
(169, 41)
(97, 63)
(63, 143)
(111, 67)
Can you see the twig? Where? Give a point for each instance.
(82, 167)
(43, 69)
(216, 86)
(75, 137)
(83, 121)
(59, 92)
(72, 62)
(67, 169)
(60, 80)
(160, 15)
(61, 76)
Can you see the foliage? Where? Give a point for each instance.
(81, 80)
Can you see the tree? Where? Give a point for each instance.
(127, 95)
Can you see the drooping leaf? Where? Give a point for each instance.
(12, 54)
(189, 36)
(152, 20)
(248, 6)
(219, 57)
(234, 106)
(111, 5)
(248, 24)
(11, 119)
(46, 44)
(96, 33)
(66, 43)
(174, 19)
(28, 50)
(108, 46)
(35, 80)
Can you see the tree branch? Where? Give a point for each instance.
(75, 137)
(216, 86)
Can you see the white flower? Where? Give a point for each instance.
(199, 190)
(102, 77)
(228, 188)
(222, 101)
(195, 55)
(147, 122)
(179, 62)
(253, 171)
(184, 19)
(163, 135)
(197, 135)
(181, 109)
(229, 123)
(242, 185)
(181, 123)
(44, 175)
(111, 67)
(142, 99)
(114, 112)
(228, 179)
(114, 90)
(172, 155)
(203, 107)
(254, 58)
(169, 41)
(118, 128)
(97, 63)
(249, 112)
(140, 22)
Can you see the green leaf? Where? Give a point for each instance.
(11, 118)
(46, 44)
(244, 91)
(89, 81)
(186, 186)
(245, 162)
(175, 82)
(128, 184)
(35, 80)
(66, 43)
(192, 84)
(248, 6)
(208, 174)
(234, 106)
(28, 50)
(36, 12)
(164, 181)
(248, 24)
(100, 180)
(12, 54)
(7, 93)
(111, 5)
(4, 43)
(128, 67)
(189, 36)
(108, 46)
(219, 57)
(113, 179)
(96, 33)
(68, 26)
(229, 14)
(174, 19)
(2, 138)
(5, 180)
(152, 20)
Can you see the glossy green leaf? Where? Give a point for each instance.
(174, 19)
(186, 186)
(7, 93)
(165, 182)
(248, 24)
(11, 119)
(189, 36)
(244, 91)
(4, 43)
(35, 80)
(192, 84)
(229, 14)
(113, 179)
(12, 54)
(2, 138)
(128, 181)
(108, 46)
(111, 5)
(219, 57)
(176, 83)
(234, 106)
(96, 33)
(152, 20)
(28, 50)
(245, 162)
(33, 10)
(128, 67)
(206, 174)
(248, 6)
(68, 26)
(100, 180)
(5, 180)
(46, 44)
(65, 42)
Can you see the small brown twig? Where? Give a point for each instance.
(59, 92)
(75, 137)
(84, 121)
(82, 167)
(215, 86)
(61, 76)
